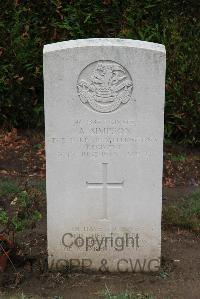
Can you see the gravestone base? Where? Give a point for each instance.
(115, 252)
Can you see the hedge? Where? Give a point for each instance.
(25, 26)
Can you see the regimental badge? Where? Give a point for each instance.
(104, 86)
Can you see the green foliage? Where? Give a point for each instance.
(36, 216)
(8, 187)
(23, 213)
(19, 223)
(126, 295)
(25, 26)
(185, 214)
(23, 199)
(4, 217)
(163, 274)
(177, 158)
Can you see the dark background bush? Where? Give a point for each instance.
(25, 26)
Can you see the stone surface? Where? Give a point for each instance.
(104, 108)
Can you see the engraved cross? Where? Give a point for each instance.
(104, 185)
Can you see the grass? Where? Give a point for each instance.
(126, 295)
(177, 158)
(185, 214)
(8, 187)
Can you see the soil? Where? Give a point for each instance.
(4, 246)
(22, 159)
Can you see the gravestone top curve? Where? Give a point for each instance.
(98, 42)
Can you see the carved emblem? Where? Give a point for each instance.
(104, 85)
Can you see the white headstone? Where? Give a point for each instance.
(104, 108)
